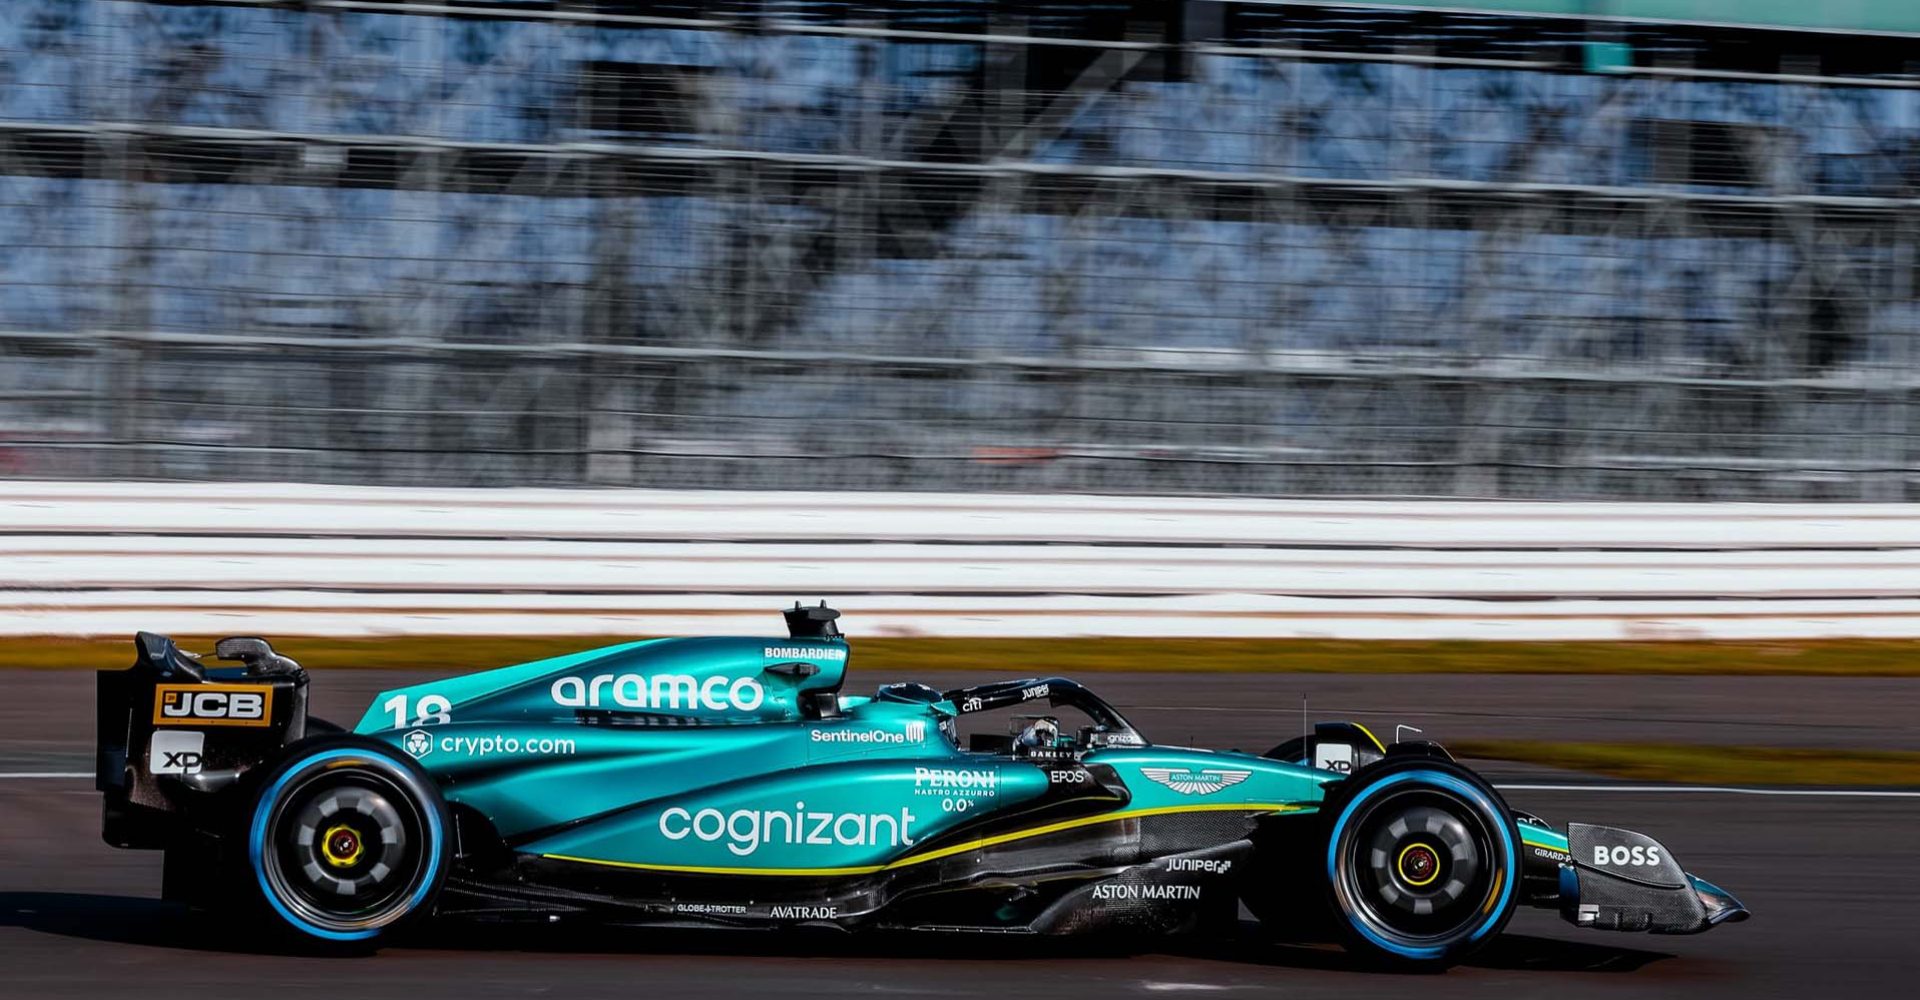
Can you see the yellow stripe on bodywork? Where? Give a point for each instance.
(1375, 739)
(945, 852)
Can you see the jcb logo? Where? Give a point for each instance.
(212, 705)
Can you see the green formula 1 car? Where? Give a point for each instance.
(726, 782)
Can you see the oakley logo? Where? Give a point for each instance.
(212, 705)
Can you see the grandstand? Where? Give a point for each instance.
(1573, 249)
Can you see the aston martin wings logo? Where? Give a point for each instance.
(1190, 782)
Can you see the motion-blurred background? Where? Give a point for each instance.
(1560, 249)
(1214, 342)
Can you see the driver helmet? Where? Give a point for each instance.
(1040, 733)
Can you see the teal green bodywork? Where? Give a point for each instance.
(1533, 835)
(738, 781)
(526, 691)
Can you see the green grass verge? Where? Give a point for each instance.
(1707, 765)
(1838, 658)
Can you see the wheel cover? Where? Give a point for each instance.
(344, 850)
(1419, 859)
(1418, 864)
(1419, 869)
(342, 844)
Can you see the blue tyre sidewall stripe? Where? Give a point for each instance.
(1452, 783)
(256, 839)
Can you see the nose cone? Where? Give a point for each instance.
(1722, 907)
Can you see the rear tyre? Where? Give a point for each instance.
(1422, 857)
(346, 841)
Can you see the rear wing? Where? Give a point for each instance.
(172, 730)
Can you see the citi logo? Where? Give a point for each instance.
(717, 693)
(1637, 856)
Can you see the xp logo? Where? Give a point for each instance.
(419, 743)
(1334, 757)
(173, 752)
(1637, 855)
(1189, 782)
(212, 705)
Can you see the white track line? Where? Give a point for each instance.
(46, 774)
(1715, 790)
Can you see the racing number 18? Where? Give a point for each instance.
(430, 710)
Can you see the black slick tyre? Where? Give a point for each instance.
(346, 842)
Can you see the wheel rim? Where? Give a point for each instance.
(1419, 868)
(345, 849)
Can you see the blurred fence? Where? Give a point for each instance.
(358, 561)
(1158, 247)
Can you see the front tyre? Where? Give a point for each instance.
(1422, 857)
(346, 841)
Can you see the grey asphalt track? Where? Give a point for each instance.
(1832, 881)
